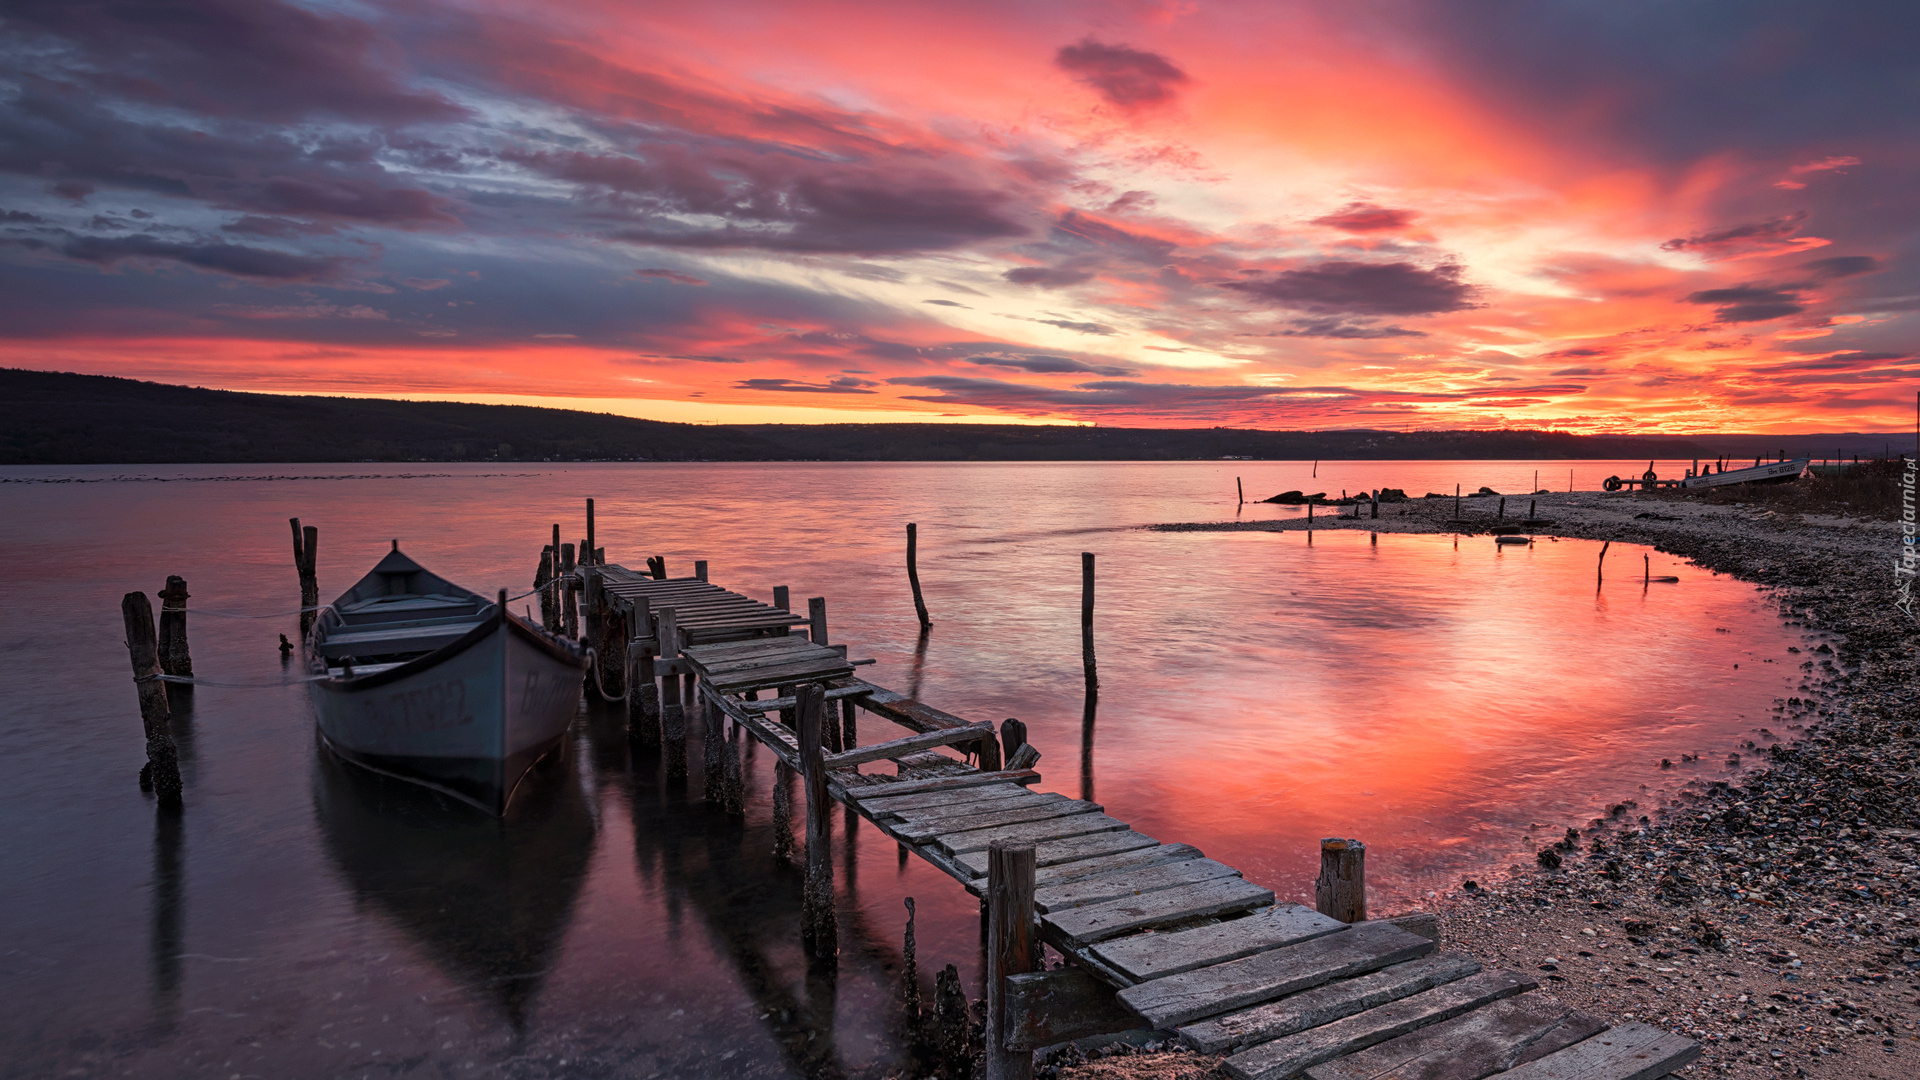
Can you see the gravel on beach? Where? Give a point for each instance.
(1770, 915)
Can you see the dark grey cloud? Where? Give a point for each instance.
(674, 276)
(1083, 327)
(1358, 288)
(1041, 364)
(1364, 217)
(1125, 76)
(946, 303)
(1046, 277)
(1750, 303)
(832, 386)
(262, 60)
(1343, 328)
(1173, 399)
(221, 258)
(1841, 266)
(1740, 239)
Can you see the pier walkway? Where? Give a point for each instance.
(1157, 934)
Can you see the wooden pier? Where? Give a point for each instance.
(1158, 936)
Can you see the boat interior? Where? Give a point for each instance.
(396, 613)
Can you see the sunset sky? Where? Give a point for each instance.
(1620, 216)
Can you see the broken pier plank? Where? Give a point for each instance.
(1001, 812)
(1054, 852)
(1129, 881)
(1198, 899)
(1033, 832)
(1490, 1039)
(1047, 1007)
(1153, 956)
(863, 793)
(1629, 1052)
(1289, 1056)
(1139, 858)
(1179, 999)
(936, 800)
(1325, 1004)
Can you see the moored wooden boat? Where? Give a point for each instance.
(1770, 470)
(423, 680)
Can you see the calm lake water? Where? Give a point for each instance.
(1453, 704)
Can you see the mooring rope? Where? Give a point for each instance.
(195, 680)
(593, 680)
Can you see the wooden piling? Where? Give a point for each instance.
(542, 584)
(162, 771)
(1600, 571)
(850, 735)
(587, 549)
(700, 569)
(1010, 951)
(1086, 623)
(1375, 512)
(569, 606)
(174, 659)
(1646, 569)
(819, 921)
(1013, 733)
(1341, 890)
(913, 574)
(782, 597)
(1240, 490)
(733, 792)
(910, 977)
(782, 813)
(1503, 508)
(817, 620)
(1531, 516)
(1456, 502)
(554, 584)
(614, 635)
(593, 597)
(306, 545)
(657, 566)
(712, 778)
(673, 715)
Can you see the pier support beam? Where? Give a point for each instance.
(1341, 890)
(1086, 621)
(162, 771)
(569, 607)
(1010, 951)
(673, 716)
(819, 921)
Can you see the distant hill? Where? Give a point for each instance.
(51, 418)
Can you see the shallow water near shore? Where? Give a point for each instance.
(1453, 703)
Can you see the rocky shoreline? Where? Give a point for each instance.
(1771, 916)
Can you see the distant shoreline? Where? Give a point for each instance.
(53, 418)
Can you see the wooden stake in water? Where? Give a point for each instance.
(306, 545)
(586, 553)
(1341, 890)
(1241, 490)
(162, 771)
(1600, 573)
(1086, 623)
(174, 659)
(1456, 502)
(569, 605)
(913, 574)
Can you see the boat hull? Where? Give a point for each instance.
(1772, 470)
(468, 719)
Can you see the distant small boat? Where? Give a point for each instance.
(1513, 540)
(1772, 470)
(423, 680)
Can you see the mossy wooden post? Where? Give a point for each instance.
(552, 596)
(913, 574)
(1010, 951)
(819, 922)
(733, 792)
(1086, 621)
(174, 659)
(817, 620)
(712, 746)
(162, 771)
(782, 812)
(306, 544)
(614, 633)
(569, 607)
(1341, 890)
(594, 601)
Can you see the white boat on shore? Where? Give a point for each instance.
(420, 679)
(1771, 470)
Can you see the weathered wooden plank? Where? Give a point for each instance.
(761, 678)
(1289, 1056)
(1053, 852)
(865, 793)
(896, 748)
(1001, 812)
(1129, 881)
(1490, 1039)
(1189, 996)
(933, 800)
(755, 654)
(799, 663)
(1048, 1007)
(1106, 864)
(1154, 956)
(1197, 900)
(907, 712)
(834, 693)
(1325, 1004)
(1633, 1051)
(1033, 832)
